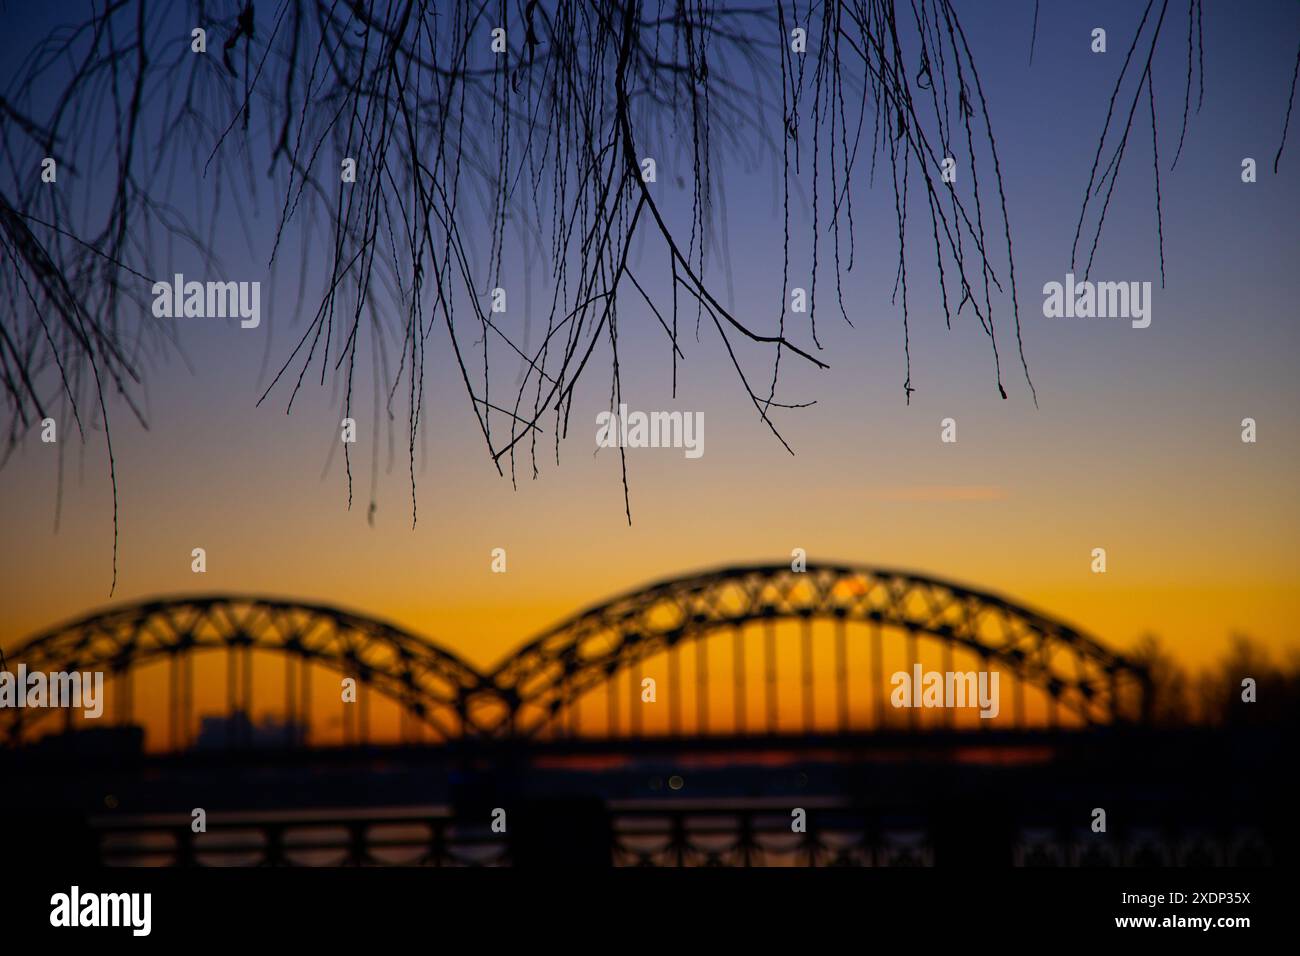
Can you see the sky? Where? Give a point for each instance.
(1134, 444)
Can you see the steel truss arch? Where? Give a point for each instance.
(553, 670)
(429, 681)
(566, 661)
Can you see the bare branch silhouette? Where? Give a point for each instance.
(1290, 102)
(482, 157)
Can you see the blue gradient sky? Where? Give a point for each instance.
(1134, 445)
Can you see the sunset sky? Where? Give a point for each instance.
(1134, 446)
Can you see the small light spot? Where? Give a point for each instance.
(676, 782)
(110, 801)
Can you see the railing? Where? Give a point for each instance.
(638, 835)
(365, 838)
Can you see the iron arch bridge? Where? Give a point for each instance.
(428, 682)
(735, 650)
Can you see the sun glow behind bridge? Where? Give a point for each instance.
(748, 651)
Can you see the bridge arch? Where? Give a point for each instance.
(426, 680)
(528, 694)
(551, 672)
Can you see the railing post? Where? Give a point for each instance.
(185, 855)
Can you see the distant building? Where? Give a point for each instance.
(238, 730)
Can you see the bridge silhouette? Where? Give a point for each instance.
(735, 651)
(772, 695)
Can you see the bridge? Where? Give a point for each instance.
(759, 651)
(680, 723)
